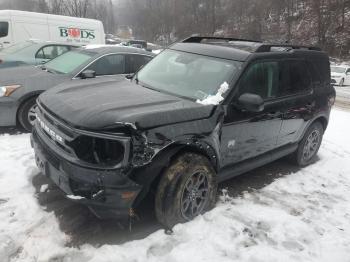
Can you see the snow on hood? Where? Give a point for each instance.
(216, 99)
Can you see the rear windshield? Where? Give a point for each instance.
(4, 29)
(17, 47)
(70, 61)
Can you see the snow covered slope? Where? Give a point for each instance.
(304, 216)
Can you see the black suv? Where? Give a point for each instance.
(203, 111)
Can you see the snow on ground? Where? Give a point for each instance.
(304, 216)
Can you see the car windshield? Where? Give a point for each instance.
(187, 75)
(338, 69)
(17, 47)
(68, 62)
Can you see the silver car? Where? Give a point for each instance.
(32, 52)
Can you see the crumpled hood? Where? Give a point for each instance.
(29, 76)
(92, 105)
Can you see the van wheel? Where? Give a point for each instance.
(187, 189)
(309, 145)
(26, 114)
(341, 83)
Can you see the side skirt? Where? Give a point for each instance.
(250, 164)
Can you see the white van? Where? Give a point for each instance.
(18, 26)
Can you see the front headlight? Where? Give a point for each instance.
(8, 90)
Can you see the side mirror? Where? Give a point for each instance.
(88, 74)
(251, 102)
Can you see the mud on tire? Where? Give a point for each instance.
(190, 181)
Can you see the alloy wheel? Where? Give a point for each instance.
(311, 145)
(194, 196)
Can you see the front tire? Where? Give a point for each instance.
(26, 114)
(341, 83)
(187, 189)
(309, 145)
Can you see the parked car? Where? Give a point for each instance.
(19, 26)
(340, 75)
(32, 52)
(201, 112)
(20, 87)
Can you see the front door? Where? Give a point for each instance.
(249, 134)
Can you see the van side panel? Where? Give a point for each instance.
(69, 31)
(28, 26)
(46, 27)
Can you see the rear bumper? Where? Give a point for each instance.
(108, 194)
(8, 111)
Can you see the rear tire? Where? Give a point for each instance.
(309, 145)
(26, 114)
(187, 189)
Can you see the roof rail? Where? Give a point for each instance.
(199, 39)
(268, 47)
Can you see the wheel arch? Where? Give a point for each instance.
(150, 175)
(24, 99)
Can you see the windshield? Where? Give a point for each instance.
(68, 62)
(338, 69)
(17, 47)
(187, 75)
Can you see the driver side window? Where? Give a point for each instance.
(262, 79)
(109, 65)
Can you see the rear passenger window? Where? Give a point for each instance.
(51, 52)
(261, 79)
(4, 29)
(109, 65)
(295, 77)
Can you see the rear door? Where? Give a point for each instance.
(297, 99)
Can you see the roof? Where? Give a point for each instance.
(46, 16)
(116, 49)
(236, 49)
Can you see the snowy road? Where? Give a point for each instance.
(276, 213)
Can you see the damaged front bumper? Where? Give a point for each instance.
(108, 193)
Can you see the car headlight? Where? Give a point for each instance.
(8, 90)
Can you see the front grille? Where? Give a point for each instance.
(54, 128)
(90, 149)
(49, 156)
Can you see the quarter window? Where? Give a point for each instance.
(4, 29)
(261, 79)
(109, 65)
